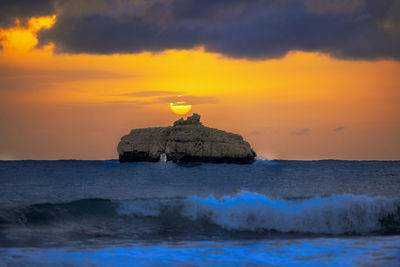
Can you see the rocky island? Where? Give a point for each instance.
(185, 141)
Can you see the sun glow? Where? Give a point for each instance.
(23, 38)
(36, 24)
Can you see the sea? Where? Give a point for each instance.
(270, 213)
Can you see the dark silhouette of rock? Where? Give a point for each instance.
(192, 120)
(186, 141)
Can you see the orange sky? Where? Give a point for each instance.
(302, 106)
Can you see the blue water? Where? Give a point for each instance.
(285, 213)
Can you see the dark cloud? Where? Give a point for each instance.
(24, 9)
(334, 6)
(255, 29)
(301, 132)
(338, 129)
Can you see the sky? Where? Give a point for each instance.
(298, 79)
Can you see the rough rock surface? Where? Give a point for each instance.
(186, 141)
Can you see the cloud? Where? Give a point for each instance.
(334, 6)
(13, 78)
(301, 132)
(192, 100)
(166, 97)
(340, 128)
(151, 93)
(24, 9)
(253, 29)
(257, 132)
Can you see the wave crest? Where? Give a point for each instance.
(344, 214)
(245, 211)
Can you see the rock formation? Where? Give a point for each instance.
(186, 141)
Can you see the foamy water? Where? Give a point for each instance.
(360, 251)
(248, 211)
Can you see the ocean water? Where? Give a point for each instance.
(271, 213)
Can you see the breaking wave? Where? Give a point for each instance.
(252, 212)
(193, 217)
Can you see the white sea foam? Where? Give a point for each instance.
(334, 215)
(252, 211)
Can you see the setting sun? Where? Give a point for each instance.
(180, 108)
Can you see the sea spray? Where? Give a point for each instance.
(344, 214)
(332, 215)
